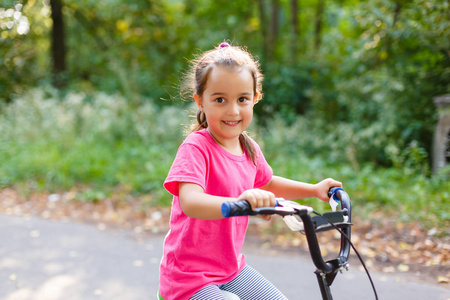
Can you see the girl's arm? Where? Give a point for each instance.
(195, 203)
(291, 189)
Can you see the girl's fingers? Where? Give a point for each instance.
(266, 217)
(258, 198)
(325, 185)
(267, 198)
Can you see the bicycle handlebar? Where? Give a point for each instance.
(345, 205)
(243, 208)
(314, 248)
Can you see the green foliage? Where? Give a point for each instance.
(23, 47)
(101, 140)
(351, 87)
(402, 190)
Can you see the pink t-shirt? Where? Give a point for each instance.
(198, 252)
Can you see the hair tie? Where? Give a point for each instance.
(224, 44)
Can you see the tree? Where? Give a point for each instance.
(58, 44)
(295, 24)
(318, 24)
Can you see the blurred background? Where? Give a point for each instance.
(90, 102)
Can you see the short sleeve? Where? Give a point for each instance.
(190, 165)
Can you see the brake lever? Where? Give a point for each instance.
(294, 205)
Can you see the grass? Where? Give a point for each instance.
(101, 142)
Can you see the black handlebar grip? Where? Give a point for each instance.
(236, 208)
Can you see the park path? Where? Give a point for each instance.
(51, 260)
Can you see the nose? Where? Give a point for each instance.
(233, 109)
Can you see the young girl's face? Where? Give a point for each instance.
(227, 102)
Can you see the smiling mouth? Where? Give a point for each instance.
(231, 123)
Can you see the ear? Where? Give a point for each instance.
(198, 100)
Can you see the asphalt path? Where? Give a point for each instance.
(55, 260)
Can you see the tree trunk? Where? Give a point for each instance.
(318, 25)
(58, 44)
(264, 31)
(295, 42)
(269, 27)
(273, 34)
(397, 10)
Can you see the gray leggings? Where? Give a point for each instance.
(249, 284)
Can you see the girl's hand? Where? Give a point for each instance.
(259, 198)
(324, 186)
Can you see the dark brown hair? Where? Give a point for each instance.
(226, 56)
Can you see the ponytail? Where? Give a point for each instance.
(248, 146)
(201, 122)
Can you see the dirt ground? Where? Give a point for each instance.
(385, 244)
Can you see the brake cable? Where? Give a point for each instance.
(354, 248)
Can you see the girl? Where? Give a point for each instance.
(218, 162)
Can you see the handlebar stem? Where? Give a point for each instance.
(313, 245)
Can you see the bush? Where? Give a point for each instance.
(101, 140)
(301, 151)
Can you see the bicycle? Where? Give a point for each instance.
(290, 211)
(298, 218)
